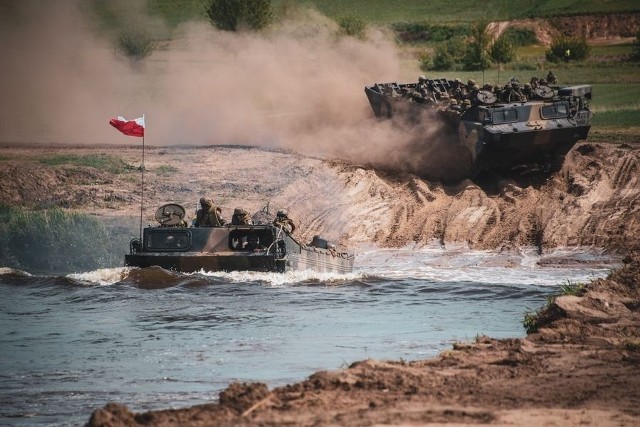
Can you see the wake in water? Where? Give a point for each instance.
(373, 265)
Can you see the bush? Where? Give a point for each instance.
(443, 59)
(520, 36)
(135, 44)
(352, 25)
(232, 15)
(502, 51)
(565, 48)
(417, 32)
(54, 241)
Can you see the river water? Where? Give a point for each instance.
(155, 339)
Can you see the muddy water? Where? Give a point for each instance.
(154, 339)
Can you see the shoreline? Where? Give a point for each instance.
(579, 366)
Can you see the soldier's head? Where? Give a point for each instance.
(422, 79)
(543, 82)
(497, 88)
(515, 85)
(527, 85)
(475, 87)
(453, 102)
(282, 213)
(466, 103)
(471, 83)
(204, 202)
(239, 211)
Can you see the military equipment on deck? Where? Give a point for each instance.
(490, 128)
(173, 246)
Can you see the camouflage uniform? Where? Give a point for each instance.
(208, 215)
(283, 221)
(240, 217)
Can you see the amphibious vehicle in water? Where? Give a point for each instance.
(174, 246)
(490, 128)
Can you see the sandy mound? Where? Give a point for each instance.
(593, 201)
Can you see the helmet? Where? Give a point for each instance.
(466, 102)
(457, 80)
(543, 82)
(497, 87)
(422, 79)
(476, 87)
(471, 83)
(527, 85)
(282, 212)
(206, 202)
(239, 211)
(453, 102)
(515, 85)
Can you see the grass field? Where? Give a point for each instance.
(436, 11)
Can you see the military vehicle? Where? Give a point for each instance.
(483, 129)
(174, 246)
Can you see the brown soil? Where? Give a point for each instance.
(593, 201)
(581, 367)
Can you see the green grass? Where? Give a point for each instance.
(387, 11)
(54, 240)
(166, 169)
(102, 162)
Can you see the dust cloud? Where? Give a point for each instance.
(298, 86)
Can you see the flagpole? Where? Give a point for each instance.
(142, 189)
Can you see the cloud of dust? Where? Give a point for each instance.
(298, 87)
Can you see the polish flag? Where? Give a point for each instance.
(129, 127)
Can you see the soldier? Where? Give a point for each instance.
(422, 88)
(284, 222)
(551, 78)
(516, 93)
(208, 215)
(456, 89)
(466, 104)
(241, 217)
(528, 92)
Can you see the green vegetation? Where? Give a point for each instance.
(352, 25)
(234, 15)
(390, 11)
(425, 32)
(533, 320)
(54, 241)
(135, 44)
(520, 36)
(102, 162)
(166, 169)
(567, 49)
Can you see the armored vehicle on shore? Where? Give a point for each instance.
(489, 128)
(174, 246)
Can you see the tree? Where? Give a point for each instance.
(502, 51)
(232, 15)
(476, 57)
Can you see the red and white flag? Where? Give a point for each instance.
(129, 127)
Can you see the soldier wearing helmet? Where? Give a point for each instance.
(551, 78)
(208, 215)
(284, 222)
(466, 104)
(241, 217)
